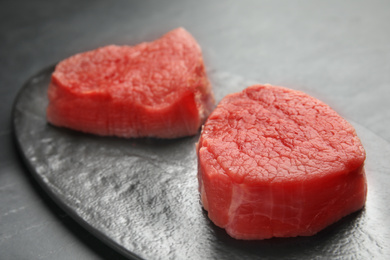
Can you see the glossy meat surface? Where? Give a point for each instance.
(275, 162)
(156, 89)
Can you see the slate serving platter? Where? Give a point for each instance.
(140, 196)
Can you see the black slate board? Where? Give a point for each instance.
(140, 195)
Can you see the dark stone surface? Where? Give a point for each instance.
(139, 196)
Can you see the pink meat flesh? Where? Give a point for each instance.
(275, 162)
(157, 89)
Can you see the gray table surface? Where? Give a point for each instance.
(338, 51)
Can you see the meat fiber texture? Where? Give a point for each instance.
(275, 162)
(157, 89)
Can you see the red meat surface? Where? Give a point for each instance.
(157, 89)
(275, 162)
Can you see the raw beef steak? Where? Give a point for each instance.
(275, 162)
(157, 89)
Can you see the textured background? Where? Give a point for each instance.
(336, 51)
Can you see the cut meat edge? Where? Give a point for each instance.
(332, 201)
(181, 116)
